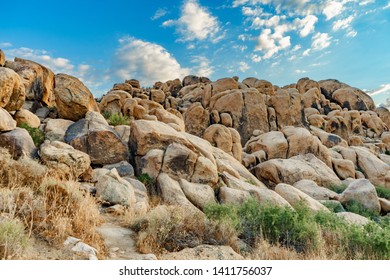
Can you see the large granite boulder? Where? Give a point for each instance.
(12, 92)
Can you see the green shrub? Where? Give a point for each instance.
(358, 208)
(13, 239)
(116, 119)
(338, 188)
(334, 206)
(383, 192)
(36, 134)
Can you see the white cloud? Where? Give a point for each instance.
(298, 71)
(306, 25)
(5, 45)
(252, 12)
(271, 43)
(333, 9)
(256, 58)
(343, 23)
(204, 68)
(387, 6)
(382, 89)
(321, 41)
(352, 33)
(296, 48)
(306, 52)
(196, 23)
(243, 66)
(145, 61)
(366, 2)
(159, 13)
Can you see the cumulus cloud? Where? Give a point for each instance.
(256, 58)
(145, 61)
(342, 23)
(196, 23)
(383, 89)
(333, 9)
(306, 25)
(271, 43)
(321, 41)
(298, 71)
(243, 66)
(5, 45)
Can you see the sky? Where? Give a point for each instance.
(106, 42)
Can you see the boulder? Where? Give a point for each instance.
(288, 108)
(172, 194)
(26, 117)
(384, 114)
(264, 87)
(18, 142)
(344, 168)
(38, 80)
(305, 84)
(292, 170)
(55, 129)
(205, 171)
(147, 135)
(198, 194)
(157, 95)
(375, 170)
(95, 137)
(353, 99)
(124, 132)
(233, 196)
(273, 143)
(134, 83)
(179, 161)
(362, 191)
(123, 168)
(295, 197)
(224, 84)
(112, 189)
(196, 119)
(7, 123)
(64, 158)
(73, 98)
(219, 136)
(385, 205)
(193, 80)
(113, 102)
(12, 92)
(353, 218)
(141, 206)
(311, 188)
(151, 163)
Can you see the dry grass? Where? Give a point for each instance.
(48, 208)
(172, 228)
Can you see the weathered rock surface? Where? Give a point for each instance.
(73, 98)
(12, 91)
(311, 188)
(2, 58)
(353, 218)
(55, 129)
(95, 137)
(18, 142)
(64, 158)
(26, 117)
(7, 123)
(198, 194)
(362, 191)
(37, 79)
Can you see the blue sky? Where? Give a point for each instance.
(105, 42)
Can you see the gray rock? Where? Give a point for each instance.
(124, 168)
(19, 143)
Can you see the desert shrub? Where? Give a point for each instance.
(383, 192)
(333, 206)
(338, 188)
(172, 228)
(358, 208)
(116, 119)
(36, 134)
(13, 239)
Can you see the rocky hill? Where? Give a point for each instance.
(189, 144)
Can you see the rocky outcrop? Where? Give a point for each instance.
(12, 91)
(96, 138)
(73, 98)
(38, 80)
(353, 99)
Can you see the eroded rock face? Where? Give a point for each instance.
(55, 129)
(38, 80)
(294, 169)
(96, 138)
(64, 158)
(273, 143)
(353, 99)
(18, 142)
(73, 98)
(26, 117)
(12, 92)
(7, 123)
(362, 191)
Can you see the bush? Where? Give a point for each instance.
(338, 188)
(36, 134)
(312, 235)
(116, 119)
(383, 192)
(358, 208)
(13, 239)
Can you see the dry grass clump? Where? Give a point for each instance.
(13, 238)
(172, 228)
(47, 207)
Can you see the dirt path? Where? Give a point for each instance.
(119, 241)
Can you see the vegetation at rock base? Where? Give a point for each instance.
(312, 235)
(116, 119)
(33, 198)
(36, 134)
(383, 192)
(357, 208)
(338, 188)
